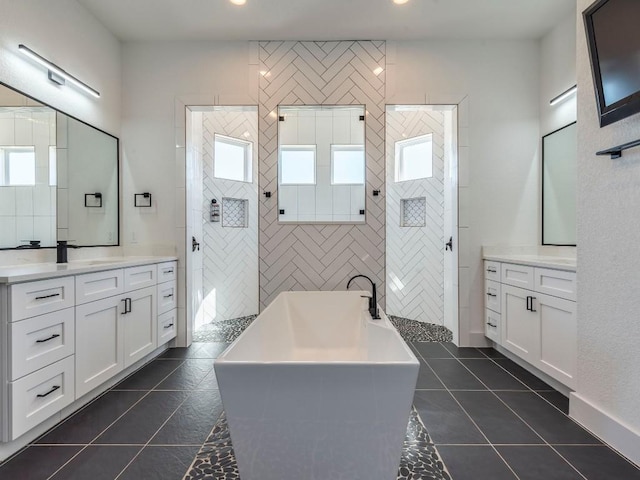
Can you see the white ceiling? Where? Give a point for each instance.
(146, 20)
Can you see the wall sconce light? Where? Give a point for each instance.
(142, 199)
(57, 74)
(564, 95)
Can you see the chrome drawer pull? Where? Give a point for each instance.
(491, 324)
(168, 326)
(55, 335)
(492, 294)
(168, 271)
(48, 296)
(53, 389)
(169, 296)
(492, 270)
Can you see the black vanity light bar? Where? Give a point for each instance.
(57, 74)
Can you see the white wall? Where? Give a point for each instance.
(499, 168)
(608, 266)
(65, 33)
(557, 74)
(159, 81)
(499, 144)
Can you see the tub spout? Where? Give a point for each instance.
(373, 299)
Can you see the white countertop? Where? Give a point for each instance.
(40, 271)
(558, 263)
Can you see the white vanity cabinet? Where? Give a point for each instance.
(66, 336)
(39, 379)
(493, 301)
(167, 302)
(117, 331)
(536, 317)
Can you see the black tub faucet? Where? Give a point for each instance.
(373, 299)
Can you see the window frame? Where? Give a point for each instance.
(400, 145)
(5, 172)
(348, 147)
(246, 145)
(305, 148)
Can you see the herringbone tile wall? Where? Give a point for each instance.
(230, 255)
(415, 255)
(321, 257)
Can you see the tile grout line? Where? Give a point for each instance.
(517, 415)
(531, 389)
(163, 424)
(469, 416)
(537, 392)
(112, 423)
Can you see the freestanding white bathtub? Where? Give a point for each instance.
(315, 389)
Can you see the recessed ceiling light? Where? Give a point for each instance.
(242, 2)
(397, 2)
(378, 71)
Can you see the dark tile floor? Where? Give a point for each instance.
(489, 419)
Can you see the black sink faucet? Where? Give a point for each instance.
(63, 245)
(373, 299)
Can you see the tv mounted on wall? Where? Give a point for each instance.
(613, 37)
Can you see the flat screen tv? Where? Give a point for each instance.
(613, 36)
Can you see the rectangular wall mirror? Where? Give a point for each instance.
(321, 164)
(58, 177)
(559, 156)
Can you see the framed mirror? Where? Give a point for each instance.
(559, 174)
(321, 164)
(58, 177)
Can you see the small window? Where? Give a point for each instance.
(17, 166)
(53, 165)
(232, 158)
(347, 165)
(414, 158)
(298, 165)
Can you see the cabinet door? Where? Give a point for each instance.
(140, 325)
(520, 327)
(99, 341)
(558, 338)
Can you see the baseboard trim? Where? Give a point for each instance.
(477, 339)
(555, 384)
(608, 428)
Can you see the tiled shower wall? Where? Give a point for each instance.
(28, 212)
(321, 257)
(230, 254)
(415, 254)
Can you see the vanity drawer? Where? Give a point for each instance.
(44, 296)
(167, 326)
(492, 325)
(492, 270)
(167, 271)
(99, 285)
(139, 277)
(492, 295)
(557, 283)
(518, 275)
(167, 297)
(40, 341)
(36, 397)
